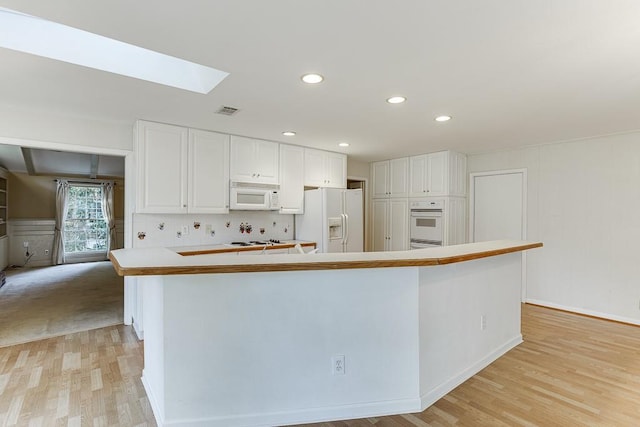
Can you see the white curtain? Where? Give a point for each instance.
(107, 212)
(62, 194)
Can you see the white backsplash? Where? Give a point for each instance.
(167, 230)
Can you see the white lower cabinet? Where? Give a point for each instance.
(390, 225)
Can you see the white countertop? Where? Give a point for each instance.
(163, 261)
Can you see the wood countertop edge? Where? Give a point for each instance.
(243, 249)
(331, 265)
(485, 254)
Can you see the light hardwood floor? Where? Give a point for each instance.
(570, 371)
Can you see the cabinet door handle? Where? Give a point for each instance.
(258, 175)
(184, 206)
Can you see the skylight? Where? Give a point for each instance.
(37, 36)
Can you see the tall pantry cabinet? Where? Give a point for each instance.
(390, 205)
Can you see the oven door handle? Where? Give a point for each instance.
(426, 242)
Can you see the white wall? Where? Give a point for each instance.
(59, 128)
(38, 233)
(583, 204)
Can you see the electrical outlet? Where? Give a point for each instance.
(25, 244)
(337, 364)
(185, 230)
(483, 322)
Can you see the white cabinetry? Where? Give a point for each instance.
(455, 221)
(181, 170)
(390, 218)
(438, 174)
(291, 195)
(324, 169)
(390, 178)
(254, 160)
(161, 152)
(208, 172)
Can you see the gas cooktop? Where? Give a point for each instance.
(256, 243)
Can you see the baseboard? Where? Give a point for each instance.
(586, 312)
(312, 415)
(440, 391)
(152, 401)
(139, 332)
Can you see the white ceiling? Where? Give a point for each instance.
(510, 72)
(59, 163)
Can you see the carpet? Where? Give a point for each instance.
(38, 303)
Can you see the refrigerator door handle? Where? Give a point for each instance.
(346, 230)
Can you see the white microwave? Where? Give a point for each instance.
(246, 196)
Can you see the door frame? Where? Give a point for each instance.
(130, 303)
(523, 172)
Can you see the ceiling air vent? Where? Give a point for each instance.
(227, 111)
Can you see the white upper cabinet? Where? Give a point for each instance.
(181, 170)
(438, 174)
(390, 178)
(208, 172)
(161, 152)
(324, 169)
(291, 195)
(254, 160)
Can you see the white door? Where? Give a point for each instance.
(266, 161)
(380, 174)
(437, 173)
(291, 195)
(498, 209)
(398, 225)
(162, 168)
(399, 177)
(379, 221)
(208, 172)
(354, 240)
(336, 170)
(314, 175)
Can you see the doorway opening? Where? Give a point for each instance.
(361, 183)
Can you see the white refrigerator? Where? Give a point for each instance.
(332, 218)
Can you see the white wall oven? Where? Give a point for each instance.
(427, 224)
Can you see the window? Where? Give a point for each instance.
(85, 227)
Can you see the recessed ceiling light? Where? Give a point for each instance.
(396, 100)
(343, 144)
(312, 78)
(289, 133)
(443, 118)
(37, 36)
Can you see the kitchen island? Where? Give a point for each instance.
(301, 338)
